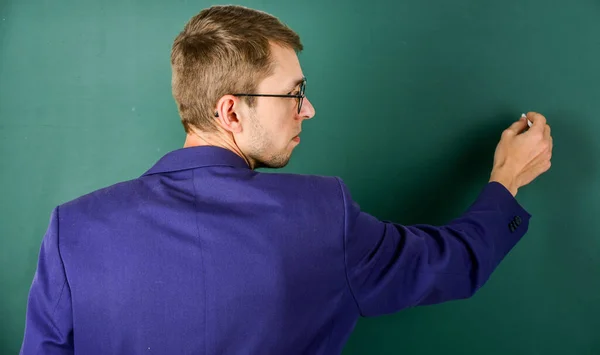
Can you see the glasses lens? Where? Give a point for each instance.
(301, 98)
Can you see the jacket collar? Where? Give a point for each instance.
(197, 157)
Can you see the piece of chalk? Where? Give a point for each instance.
(528, 121)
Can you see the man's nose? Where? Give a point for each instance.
(308, 110)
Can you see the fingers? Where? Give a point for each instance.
(542, 161)
(530, 152)
(542, 166)
(547, 135)
(517, 127)
(534, 171)
(538, 120)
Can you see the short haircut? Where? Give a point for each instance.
(223, 50)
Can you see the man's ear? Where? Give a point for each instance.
(229, 114)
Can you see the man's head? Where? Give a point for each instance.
(228, 50)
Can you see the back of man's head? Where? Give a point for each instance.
(223, 50)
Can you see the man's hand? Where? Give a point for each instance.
(521, 157)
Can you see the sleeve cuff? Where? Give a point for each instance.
(498, 194)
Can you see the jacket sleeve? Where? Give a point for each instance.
(48, 323)
(391, 266)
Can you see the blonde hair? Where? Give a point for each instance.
(223, 50)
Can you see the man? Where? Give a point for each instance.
(204, 255)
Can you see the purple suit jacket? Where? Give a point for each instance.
(202, 255)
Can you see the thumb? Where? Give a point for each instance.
(518, 126)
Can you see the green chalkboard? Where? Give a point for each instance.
(411, 97)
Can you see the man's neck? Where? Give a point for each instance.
(196, 138)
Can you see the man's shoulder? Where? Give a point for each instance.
(304, 182)
(133, 193)
(104, 197)
(308, 178)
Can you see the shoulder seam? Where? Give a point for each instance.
(62, 290)
(344, 224)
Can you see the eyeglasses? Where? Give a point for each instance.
(300, 96)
